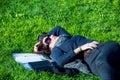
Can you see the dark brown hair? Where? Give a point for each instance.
(43, 49)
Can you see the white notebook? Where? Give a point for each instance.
(24, 58)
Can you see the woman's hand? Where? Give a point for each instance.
(87, 46)
(36, 47)
(91, 45)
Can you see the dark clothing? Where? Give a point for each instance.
(46, 65)
(103, 61)
(79, 65)
(64, 53)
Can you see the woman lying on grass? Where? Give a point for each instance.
(103, 59)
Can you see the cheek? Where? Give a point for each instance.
(52, 43)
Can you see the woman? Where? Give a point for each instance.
(103, 59)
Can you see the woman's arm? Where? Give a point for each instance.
(58, 31)
(61, 58)
(86, 46)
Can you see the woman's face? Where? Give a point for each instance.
(50, 40)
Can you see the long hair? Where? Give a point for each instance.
(43, 49)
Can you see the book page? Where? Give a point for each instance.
(28, 57)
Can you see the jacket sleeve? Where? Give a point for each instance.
(58, 31)
(61, 57)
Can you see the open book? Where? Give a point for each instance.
(40, 62)
(25, 58)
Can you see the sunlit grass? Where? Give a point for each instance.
(21, 21)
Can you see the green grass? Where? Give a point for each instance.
(21, 21)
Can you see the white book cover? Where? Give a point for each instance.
(24, 58)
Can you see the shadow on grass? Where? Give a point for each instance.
(4, 75)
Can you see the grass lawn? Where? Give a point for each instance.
(21, 21)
